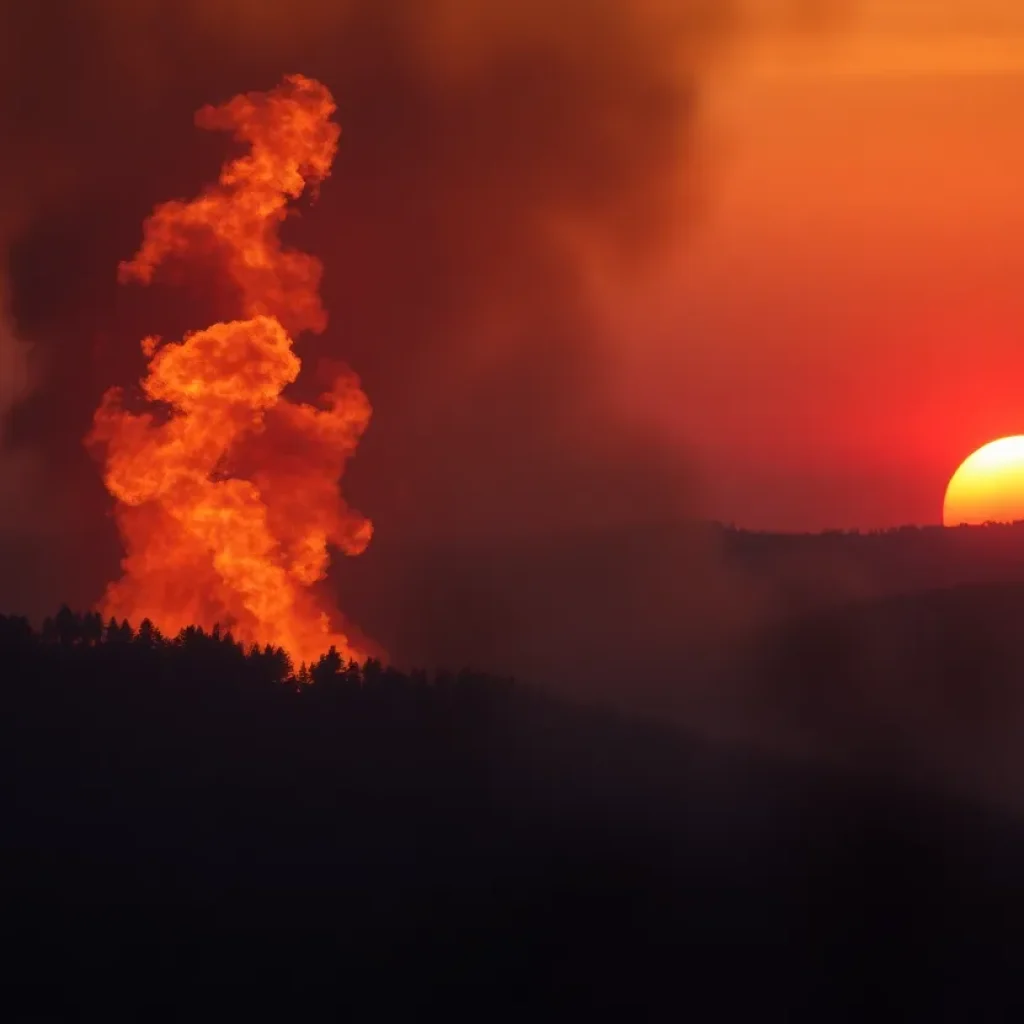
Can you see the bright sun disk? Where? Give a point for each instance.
(989, 485)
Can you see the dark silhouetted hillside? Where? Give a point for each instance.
(189, 830)
(662, 620)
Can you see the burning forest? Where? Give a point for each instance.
(227, 492)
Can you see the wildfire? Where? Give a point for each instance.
(227, 493)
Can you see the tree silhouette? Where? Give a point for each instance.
(148, 635)
(67, 626)
(328, 668)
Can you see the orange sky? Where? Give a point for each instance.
(836, 329)
(847, 323)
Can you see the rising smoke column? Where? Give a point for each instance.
(227, 494)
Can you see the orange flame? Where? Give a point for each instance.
(227, 504)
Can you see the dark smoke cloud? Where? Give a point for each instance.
(487, 148)
(14, 386)
(491, 151)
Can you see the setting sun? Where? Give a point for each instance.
(989, 485)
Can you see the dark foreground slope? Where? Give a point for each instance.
(184, 836)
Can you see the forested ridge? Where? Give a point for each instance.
(188, 824)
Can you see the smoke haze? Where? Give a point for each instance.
(14, 385)
(14, 358)
(495, 161)
(491, 156)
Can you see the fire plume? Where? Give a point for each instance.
(228, 493)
